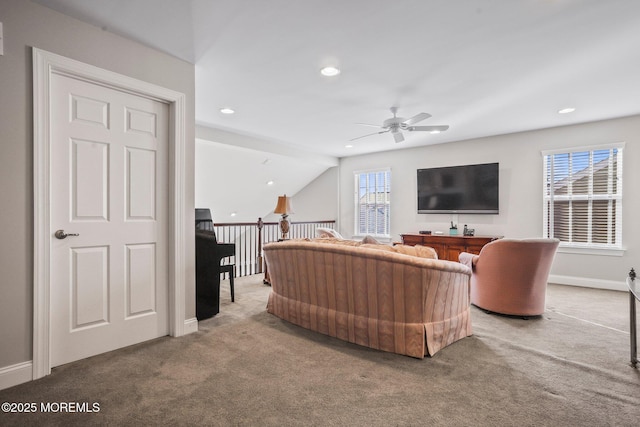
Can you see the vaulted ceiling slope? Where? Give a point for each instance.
(483, 67)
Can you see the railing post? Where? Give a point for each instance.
(259, 260)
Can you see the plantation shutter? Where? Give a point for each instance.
(583, 196)
(373, 202)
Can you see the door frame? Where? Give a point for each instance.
(45, 64)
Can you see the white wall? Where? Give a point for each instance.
(28, 25)
(232, 179)
(232, 171)
(521, 186)
(319, 199)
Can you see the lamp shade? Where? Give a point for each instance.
(284, 205)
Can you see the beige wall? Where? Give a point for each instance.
(521, 186)
(28, 25)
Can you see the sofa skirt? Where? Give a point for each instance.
(411, 339)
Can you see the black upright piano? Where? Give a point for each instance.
(209, 253)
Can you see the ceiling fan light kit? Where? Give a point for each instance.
(396, 125)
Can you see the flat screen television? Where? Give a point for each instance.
(459, 189)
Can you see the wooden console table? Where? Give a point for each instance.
(449, 247)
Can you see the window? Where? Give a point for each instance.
(373, 206)
(583, 196)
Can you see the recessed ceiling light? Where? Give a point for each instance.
(227, 110)
(269, 182)
(330, 71)
(348, 146)
(434, 132)
(566, 110)
(233, 214)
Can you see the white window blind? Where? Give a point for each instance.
(373, 202)
(583, 196)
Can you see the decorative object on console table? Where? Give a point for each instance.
(284, 207)
(449, 247)
(468, 231)
(453, 231)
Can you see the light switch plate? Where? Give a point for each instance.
(1, 41)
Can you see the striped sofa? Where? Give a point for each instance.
(370, 295)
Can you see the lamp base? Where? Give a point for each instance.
(284, 226)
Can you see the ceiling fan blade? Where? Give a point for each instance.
(367, 124)
(370, 134)
(429, 128)
(398, 136)
(417, 118)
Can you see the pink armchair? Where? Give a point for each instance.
(510, 275)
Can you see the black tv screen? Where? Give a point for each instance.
(459, 189)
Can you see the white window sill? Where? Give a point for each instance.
(589, 250)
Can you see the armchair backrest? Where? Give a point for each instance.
(528, 259)
(510, 275)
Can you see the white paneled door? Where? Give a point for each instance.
(109, 191)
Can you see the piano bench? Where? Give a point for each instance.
(231, 269)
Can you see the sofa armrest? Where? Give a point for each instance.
(468, 259)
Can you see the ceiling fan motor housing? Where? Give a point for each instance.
(396, 125)
(393, 123)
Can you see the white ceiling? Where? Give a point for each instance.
(484, 67)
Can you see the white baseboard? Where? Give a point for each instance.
(16, 374)
(190, 326)
(588, 283)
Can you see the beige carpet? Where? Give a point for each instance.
(245, 367)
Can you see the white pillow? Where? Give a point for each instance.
(327, 232)
(370, 240)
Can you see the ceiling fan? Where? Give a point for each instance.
(396, 125)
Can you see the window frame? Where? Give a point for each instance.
(357, 204)
(548, 197)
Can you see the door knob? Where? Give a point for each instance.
(60, 234)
